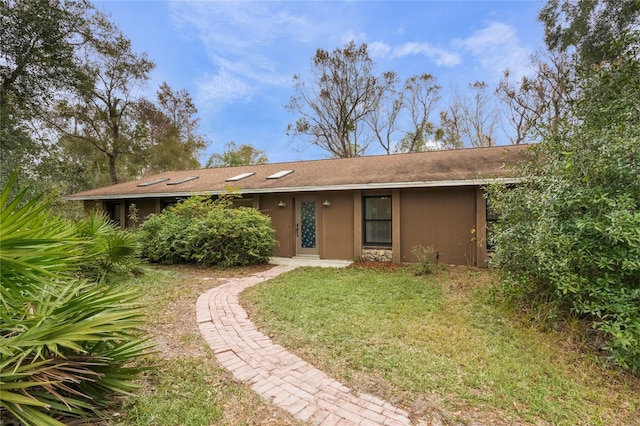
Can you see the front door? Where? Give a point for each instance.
(307, 226)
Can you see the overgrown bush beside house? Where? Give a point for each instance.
(207, 232)
(66, 343)
(569, 234)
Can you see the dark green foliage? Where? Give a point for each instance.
(38, 39)
(570, 233)
(593, 27)
(37, 62)
(65, 344)
(207, 232)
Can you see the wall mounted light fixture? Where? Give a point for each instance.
(282, 204)
(326, 203)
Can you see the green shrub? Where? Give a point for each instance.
(213, 233)
(577, 247)
(569, 234)
(65, 344)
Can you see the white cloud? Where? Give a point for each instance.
(379, 49)
(255, 47)
(350, 35)
(216, 90)
(241, 40)
(497, 48)
(440, 56)
(237, 25)
(258, 69)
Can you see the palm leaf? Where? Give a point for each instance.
(32, 245)
(65, 343)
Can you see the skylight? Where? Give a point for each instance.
(239, 177)
(280, 174)
(187, 179)
(153, 182)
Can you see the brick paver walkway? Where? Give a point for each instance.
(276, 374)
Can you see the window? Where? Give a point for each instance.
(113, 210)
(242, 202)
(153, 182)
(187, 179)
(239, 177)
(280, 174)
(492, 218)
(377, 221)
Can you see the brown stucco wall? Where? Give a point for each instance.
(441, 218)
(144, 206)
(337, 225)
(438, 217)
(281, 220)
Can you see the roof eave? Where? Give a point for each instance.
(315, 188)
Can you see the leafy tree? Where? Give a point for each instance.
(422, 95)
(38, 52)
(233, 155)
(449, 133)
(103, 114)
(172, 130)
(591, 28)
(69, 118)
(37, 61)
(332, 113)
(537, 104)
(413, 104)
(569, 233)
(383, 120)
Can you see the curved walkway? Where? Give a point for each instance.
(276, 374)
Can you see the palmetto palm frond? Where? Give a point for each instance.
(111, 248)
(34, 246)
(65, 343)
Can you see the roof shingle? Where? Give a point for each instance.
(433, 168)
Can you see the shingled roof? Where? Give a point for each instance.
(473, 166)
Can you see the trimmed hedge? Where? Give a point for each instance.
(207, 232)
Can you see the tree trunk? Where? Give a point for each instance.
(113, 174)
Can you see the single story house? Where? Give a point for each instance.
(374, 207)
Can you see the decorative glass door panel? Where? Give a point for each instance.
(307, 226)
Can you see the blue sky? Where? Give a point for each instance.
(237, 58)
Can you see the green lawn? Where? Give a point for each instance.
(438, 341)
(187, 385)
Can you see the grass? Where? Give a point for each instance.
(187, 385)
(440, 341)
(174, 393)
(433, 343)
